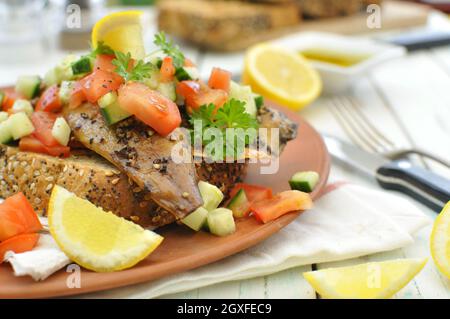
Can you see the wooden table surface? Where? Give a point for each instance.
(408, 98)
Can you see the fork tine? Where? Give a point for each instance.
(351, 109)
(359, 125)
(383, 140)
(349, 128)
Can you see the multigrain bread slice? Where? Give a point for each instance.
(91, 177)
(83, 173)
(224, 25)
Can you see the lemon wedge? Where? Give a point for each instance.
(365, 281)
(122, 32)
(281, 75)
(95, 239)
(440, 241)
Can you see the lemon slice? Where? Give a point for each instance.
(365, 281)
(122, 32)
(282, 76)
(440, 241)
(95, 239)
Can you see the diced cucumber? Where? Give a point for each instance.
(239, 204)
(107, 99)
(5, 133)
(21, 105)
(20, 125)
(152, 79)
(168, 90)
(65, 91)
(3, 116)
(82, 66)
(182, 75)
(304, 181)
(28, 86)
(244, 94)
(110, 108)
(211, 195)
(61, 72)
(197, 219)
(221, 222)
(259, 101)
(192, 71)
(156, 57)
(61, 131)
(51, 77)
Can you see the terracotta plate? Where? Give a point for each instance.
(183, 249)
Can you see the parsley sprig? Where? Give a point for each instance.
(129, 72)
(102, 48)
(169, 48)
(231, 115)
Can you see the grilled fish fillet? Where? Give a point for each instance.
(146, 158)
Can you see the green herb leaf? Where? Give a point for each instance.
(231, 115)
(122, 61)
(102, 48)
(140, 71)
(169, 48)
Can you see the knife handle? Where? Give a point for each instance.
(425, 186)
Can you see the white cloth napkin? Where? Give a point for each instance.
(348, 222)
(39, 263)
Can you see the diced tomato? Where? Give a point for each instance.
(282, 203)
(219, 79)
(98, 83)
(188, 90)
(17, 217)
(149, 106)
(10, 223)
(197, 94)
(32, 144)
(49, 100)
(18, 244)
(43, 123)
(10, 97)
(77, 96)
(29, 217)
(104, 62)
(167, 69)
(188, 63)
(254, 193)
(205, 97)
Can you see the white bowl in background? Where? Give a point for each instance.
(337, 78)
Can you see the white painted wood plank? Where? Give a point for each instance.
(442, 55)
(226, 290)
(289, 284)
(253, 288)
(417, 88)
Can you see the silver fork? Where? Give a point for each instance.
(347, 111)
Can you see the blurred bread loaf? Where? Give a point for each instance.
(224, 25)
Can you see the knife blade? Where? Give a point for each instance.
(401, 175)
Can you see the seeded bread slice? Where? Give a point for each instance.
(86, 175)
